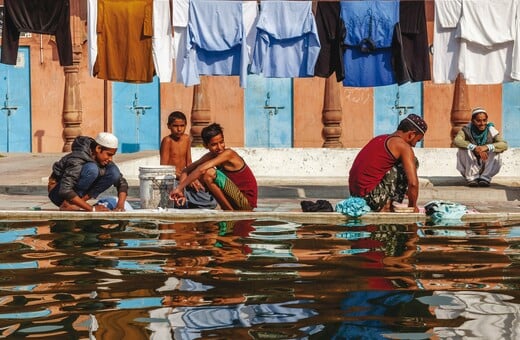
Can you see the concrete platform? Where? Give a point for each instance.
(23, 193)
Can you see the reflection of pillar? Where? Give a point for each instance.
(72, 108)
(200, 112)
(331, 114)
(460, 110)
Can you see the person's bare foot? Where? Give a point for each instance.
(66, 206)
(388, 207)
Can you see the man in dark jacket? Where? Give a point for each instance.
(85, 173)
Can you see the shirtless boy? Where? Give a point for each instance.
(222, 171)
(176, 147)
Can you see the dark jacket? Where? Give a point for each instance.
(68, 169)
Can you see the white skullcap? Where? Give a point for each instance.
(476, 111)
(107, 140)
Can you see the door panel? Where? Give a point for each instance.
(136, 115)
(15, 104)
(393, 103)
(269, 112)
(511, 113)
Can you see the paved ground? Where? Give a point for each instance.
(23, 188)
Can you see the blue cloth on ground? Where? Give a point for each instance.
(353, 206)
(444, 211)
(111, 202)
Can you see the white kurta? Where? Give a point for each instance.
(162, 40)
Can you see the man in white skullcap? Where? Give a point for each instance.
(85, 173)
(480, 146)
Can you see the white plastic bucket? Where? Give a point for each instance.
(155, 184)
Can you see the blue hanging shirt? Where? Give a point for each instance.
(216, 41)
(287, 43)
(370, 29)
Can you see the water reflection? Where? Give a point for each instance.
(257, 279)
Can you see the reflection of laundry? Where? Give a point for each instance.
(159, 325)
(188, 322)
(488, 315)
(362, 309)
(282, 231)
(279, 250)
(187, 285)
(354, 235)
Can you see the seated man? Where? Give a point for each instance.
(480, 145)
(386, 168)
(222, 171)
(85, 173)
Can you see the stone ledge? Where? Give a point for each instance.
(287, 163)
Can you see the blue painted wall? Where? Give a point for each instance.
(136, 115)
(268, 112)
(15, 104)
(511, 113)
(392, 103)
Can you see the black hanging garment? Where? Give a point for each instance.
(36, 16)
(331, 31)
(414, 56)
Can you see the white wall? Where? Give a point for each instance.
(314, 163)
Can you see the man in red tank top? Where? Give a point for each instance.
(386, 168)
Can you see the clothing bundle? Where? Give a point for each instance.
(441, 212)
(366, 43)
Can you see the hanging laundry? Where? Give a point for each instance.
(487, 33)
(446, 47)
(370, 42)
(414, 41)
(287, 42)
(180, 15)
(216, 41)
(331, 32)
(36, 16)
(92, 6)
(124, 35)
(475, 38)
(162, 40)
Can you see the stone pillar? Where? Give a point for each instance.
(332, 114)
(460, 109)
(200, 112)
(72, 107)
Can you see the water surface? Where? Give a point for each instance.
(258, 279)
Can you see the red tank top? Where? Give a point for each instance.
(370, 166)
(245, 180)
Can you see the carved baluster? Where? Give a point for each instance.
(460, 110)
(200, 112)
(332, 114)
(72, 107)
